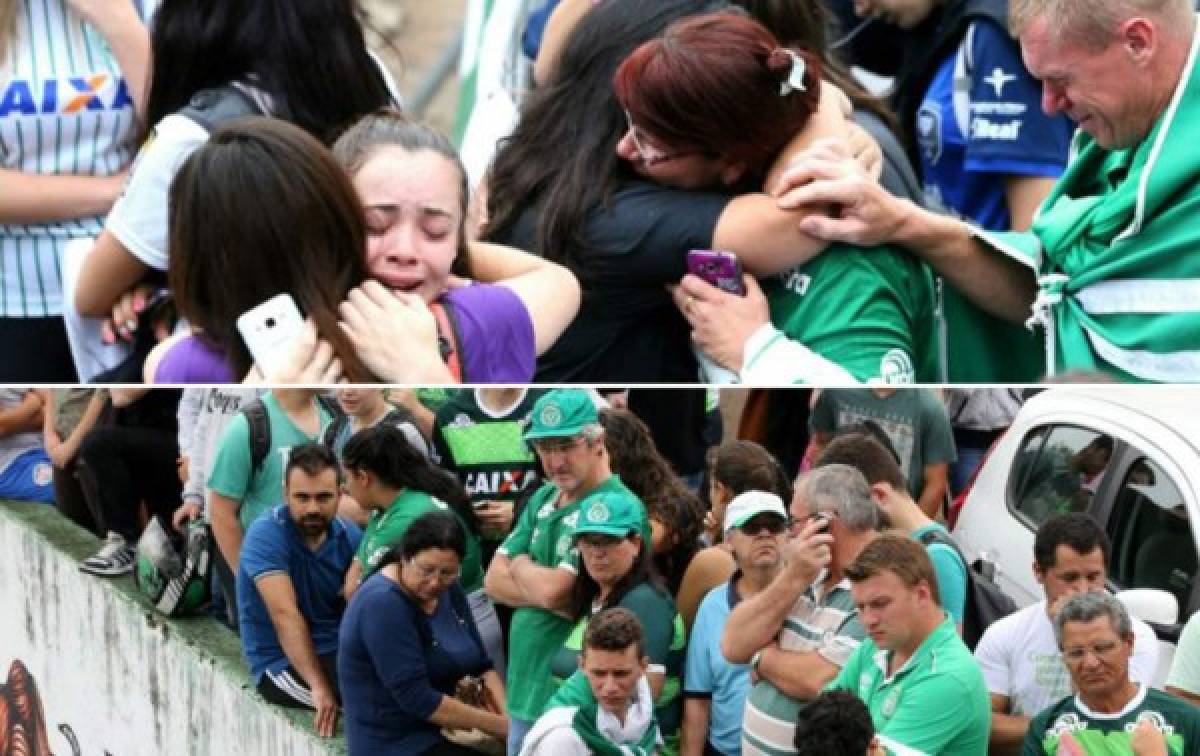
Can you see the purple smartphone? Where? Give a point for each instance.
(721, 269)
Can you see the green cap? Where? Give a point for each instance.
(610, 513)
(560, 414)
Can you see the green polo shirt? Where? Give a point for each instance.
(543, 532)
(936, 703)
(387, 527)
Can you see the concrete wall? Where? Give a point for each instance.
(126, 681)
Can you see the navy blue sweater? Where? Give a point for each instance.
(395, 663)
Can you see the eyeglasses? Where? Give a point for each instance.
(556, 445)
(772, 524)
(444, 574)
(649, 155)
(1100, 651)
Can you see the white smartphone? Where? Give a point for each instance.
(269, 330)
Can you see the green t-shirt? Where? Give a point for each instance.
(664, 640)
(1109, 734)
(949, 568)
(387, 527)
(869, 310)
(937, 703)
(257, 490)
(543, 532)
(982, 348)
(914, 420)
(487, 452)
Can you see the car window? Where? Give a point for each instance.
(1152, 539)
(1058, 469)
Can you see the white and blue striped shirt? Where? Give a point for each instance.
(64, 109)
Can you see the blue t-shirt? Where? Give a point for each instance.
(992, 123)
(709, 674)
(274, 545)
(393, 673)
(950, 571)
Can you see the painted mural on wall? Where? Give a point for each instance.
(22, 719)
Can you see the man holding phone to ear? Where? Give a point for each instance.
(798, 632)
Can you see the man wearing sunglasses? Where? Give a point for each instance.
(799, 630)
(756, 526)
(534, 570)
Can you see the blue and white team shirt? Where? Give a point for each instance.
(65, 109)
(981, 119)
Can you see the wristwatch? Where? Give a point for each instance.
(754, 660)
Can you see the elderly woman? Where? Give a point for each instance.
(409, 649)
(617, 569)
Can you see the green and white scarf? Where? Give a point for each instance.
(1116, 247)
(576, 707)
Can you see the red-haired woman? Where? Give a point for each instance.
(722, 87)
(558, 189)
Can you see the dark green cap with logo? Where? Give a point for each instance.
(562, 413)
(610, 513)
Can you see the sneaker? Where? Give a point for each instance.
(113, 559)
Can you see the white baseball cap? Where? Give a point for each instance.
(750, 503)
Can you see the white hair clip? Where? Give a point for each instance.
(795, 79)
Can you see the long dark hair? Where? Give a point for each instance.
(384, 451)
(263, 208)
(586, 589)
(308, 55)
(648, 474)
(562, 153)
(806, 23)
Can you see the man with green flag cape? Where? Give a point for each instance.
(606, 707)
(1111, 267)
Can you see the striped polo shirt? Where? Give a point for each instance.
(64, 109)
(827, 624)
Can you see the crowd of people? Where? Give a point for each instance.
(515, 570)
(154, 152)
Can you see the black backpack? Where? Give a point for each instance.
(260, 427)
(986, 601)
(212, 107)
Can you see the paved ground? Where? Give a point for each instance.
(419, 30)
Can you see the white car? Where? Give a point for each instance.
(1130, 458)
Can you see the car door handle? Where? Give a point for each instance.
(987, 566)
